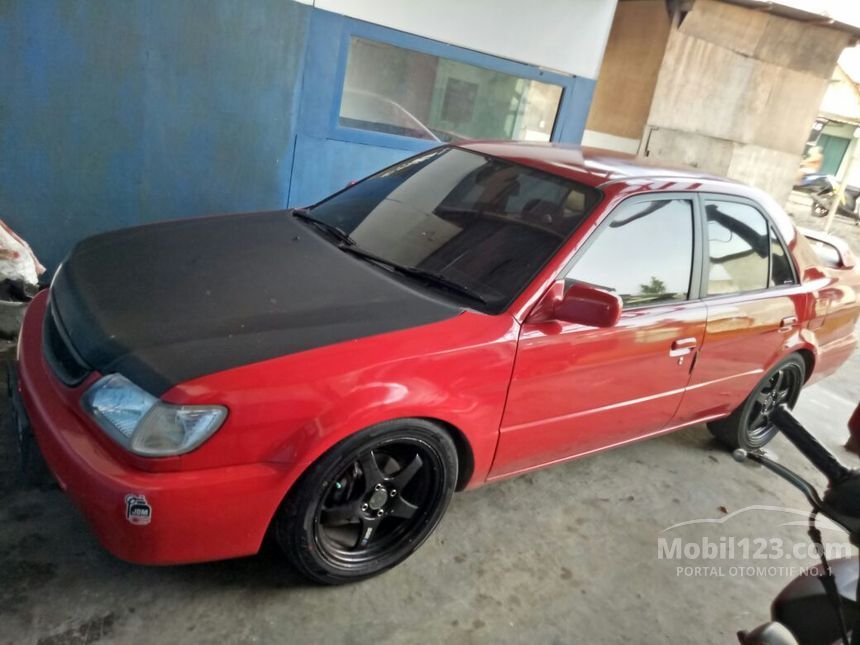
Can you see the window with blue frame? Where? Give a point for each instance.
(393, 90)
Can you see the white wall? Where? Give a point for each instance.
(842, 98)
(852, 172)
(564, 35)
(595, 139)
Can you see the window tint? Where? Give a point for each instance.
(481, 222)
(409, 93)
(645, 254)
(780, 265)
(738, 248)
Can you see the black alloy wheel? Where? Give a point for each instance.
(750, 426)
(783, 386)
(369, 502)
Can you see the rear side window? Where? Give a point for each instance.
(780, 266)
(644, 254)
(739, 245)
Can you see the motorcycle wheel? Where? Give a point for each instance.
(818, 210)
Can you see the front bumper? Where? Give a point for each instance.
(193, 516)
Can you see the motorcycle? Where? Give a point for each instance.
(818, 609)
(822, 190)
(811, 182)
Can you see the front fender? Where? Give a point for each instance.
(290, 410)
(377, 402)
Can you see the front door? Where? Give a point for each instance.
(576, 389)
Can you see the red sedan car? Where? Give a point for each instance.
(334, 374)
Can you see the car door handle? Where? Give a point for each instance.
(682, 347)
(787, 323)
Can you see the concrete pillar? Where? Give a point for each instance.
(738, 91)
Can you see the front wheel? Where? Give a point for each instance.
(818, 210)
(820, 205)
(369, 502)
(749, 426)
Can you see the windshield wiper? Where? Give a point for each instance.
(415, 272)
(335, 231)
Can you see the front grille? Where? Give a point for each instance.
(64, 361)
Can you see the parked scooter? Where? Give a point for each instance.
(822, 192)
(823, 609)
(812, 182)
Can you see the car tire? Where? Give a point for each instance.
(749, 426)
(34, 470)
(369, 502)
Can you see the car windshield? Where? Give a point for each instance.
(483, 223)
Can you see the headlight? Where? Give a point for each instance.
(146, 425)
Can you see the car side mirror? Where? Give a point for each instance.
(580, 303)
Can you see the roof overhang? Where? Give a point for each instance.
(839, 118)
(797, 13)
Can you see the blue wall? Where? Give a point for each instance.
(328, 155)
(117, 113)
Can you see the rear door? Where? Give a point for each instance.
(750, 287)
(576, 389)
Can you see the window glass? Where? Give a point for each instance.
(482, 222)
(738, 248)
(400, 91)
(780, 265)
(645, 254)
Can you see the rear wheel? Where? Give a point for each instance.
(369, 502)
(749, 426)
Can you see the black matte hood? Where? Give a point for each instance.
(165, 303)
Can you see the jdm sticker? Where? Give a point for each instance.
(137, 509)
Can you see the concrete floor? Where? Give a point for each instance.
(566, 555)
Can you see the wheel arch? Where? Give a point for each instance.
(808, 357)
(465, 451)
(465, 455)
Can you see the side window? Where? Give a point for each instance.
(738, 248)
(780, 265)
(645, 254)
